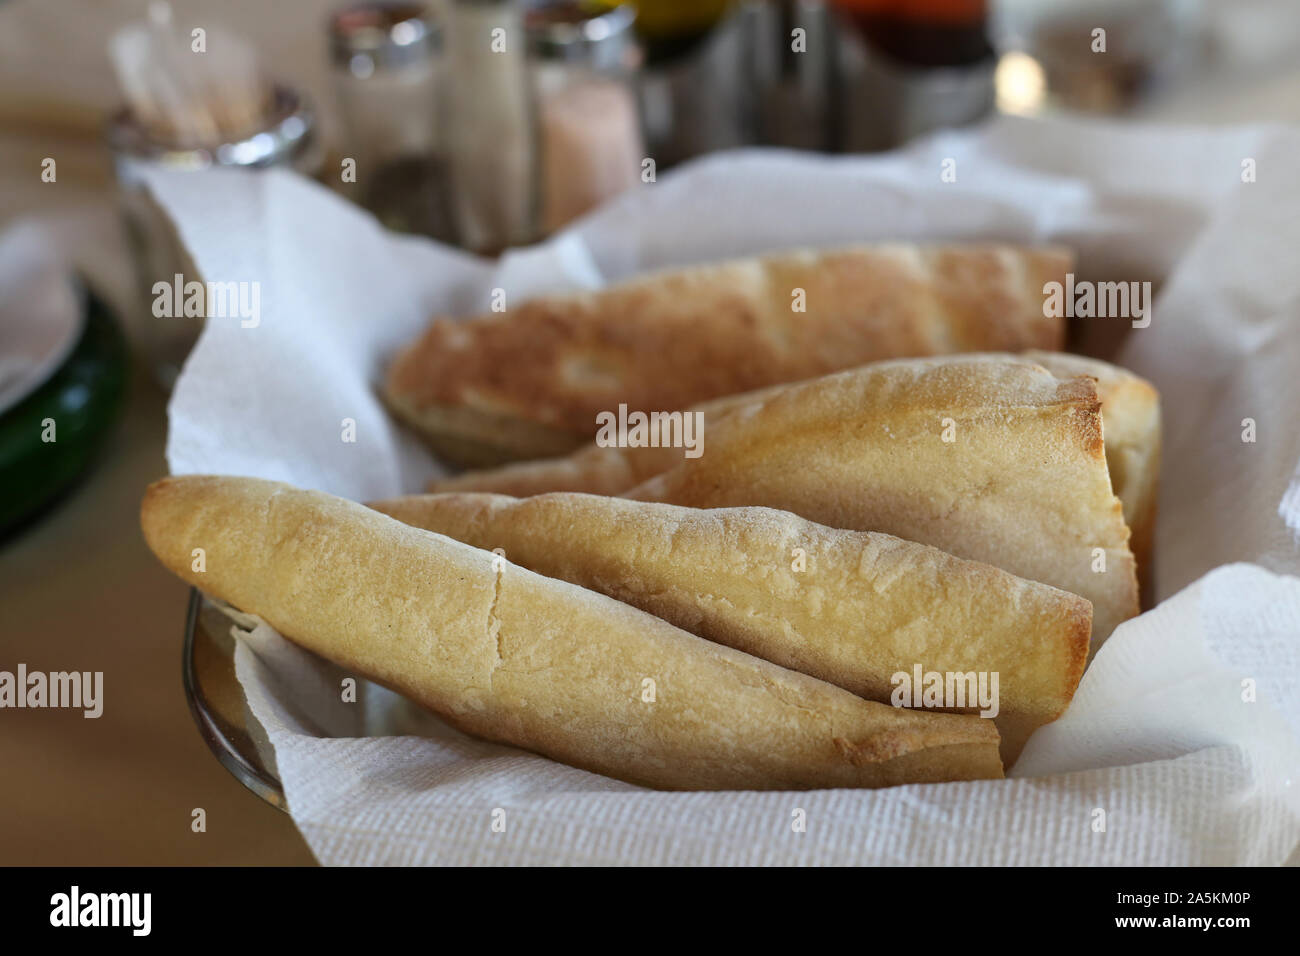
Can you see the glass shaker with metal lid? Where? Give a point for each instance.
(491, 133)
(589, 132)
(388, 79)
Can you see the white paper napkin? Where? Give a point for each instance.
(1182, 745)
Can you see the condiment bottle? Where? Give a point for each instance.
(491, 126)
(589, 128)
(388, 80)
(911, 66)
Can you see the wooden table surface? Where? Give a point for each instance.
(80, 591)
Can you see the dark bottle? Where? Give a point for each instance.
(923, 33)
(911, 66)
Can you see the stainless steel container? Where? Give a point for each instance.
(794, 72)
(912, 78)
(882, 105)
(702, 99)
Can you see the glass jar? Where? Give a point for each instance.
(388, 77)
(589, 130)
(491, 129)
(287, 139)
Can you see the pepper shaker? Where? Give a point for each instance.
(389, 81)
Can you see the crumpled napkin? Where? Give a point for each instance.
(1182, 745)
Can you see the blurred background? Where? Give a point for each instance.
(484, 124)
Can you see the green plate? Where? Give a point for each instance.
(82, 399)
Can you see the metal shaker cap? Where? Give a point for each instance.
(371, 37)
(570, 31)
(287, 138)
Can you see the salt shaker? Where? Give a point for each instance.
(589, 128)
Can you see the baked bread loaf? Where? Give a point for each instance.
(1021, 485)
(852, 608)
(1130, 411)
(542, 664)
(593, 469)
(528, 382)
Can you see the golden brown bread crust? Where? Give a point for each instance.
(666, 341)
(1130, 409)
(516, 657)
(593, 469)
(1130, 439)
(1023, 486)
(850, 608)
(474, 438)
